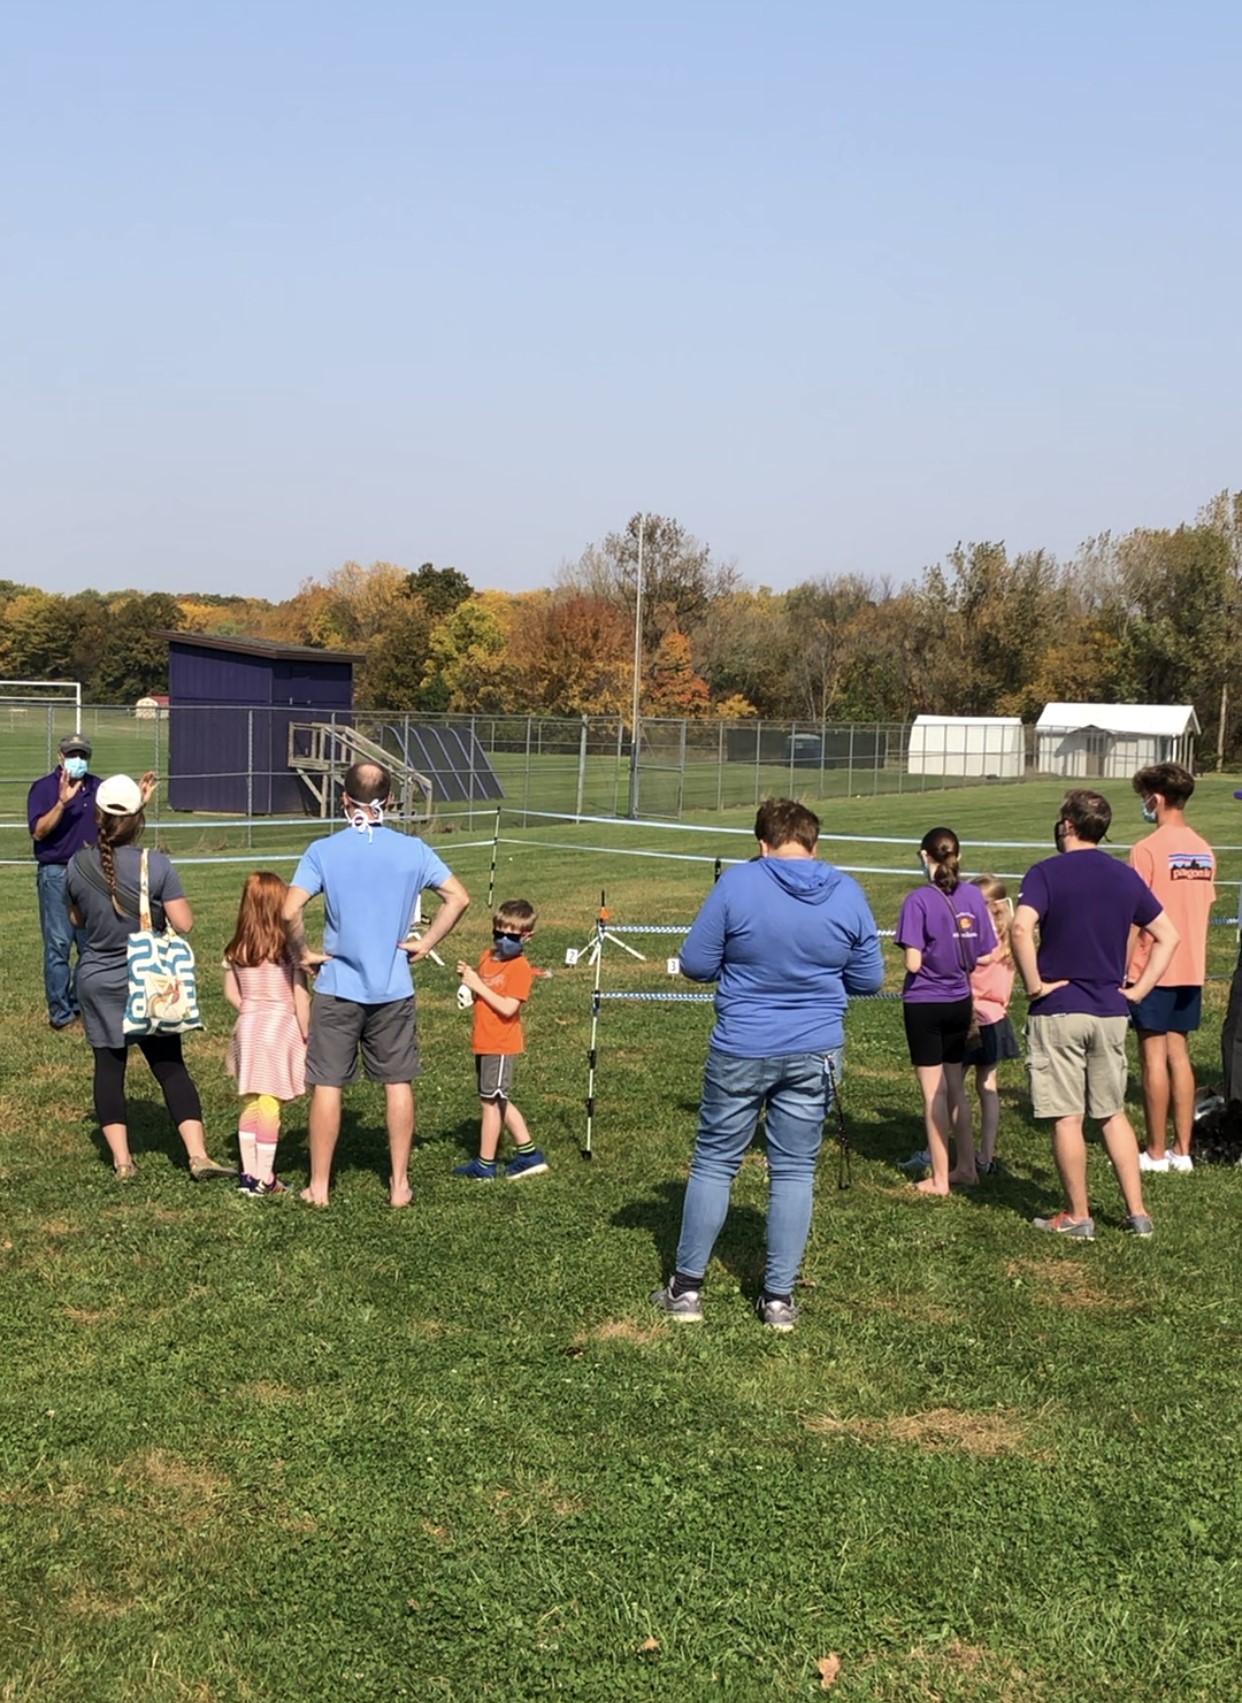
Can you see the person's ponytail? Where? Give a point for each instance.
(944, 850)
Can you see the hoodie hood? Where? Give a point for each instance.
(803, 878)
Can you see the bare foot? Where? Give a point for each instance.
(312, 1198)
(963, 1179)
(930, 1186)
(400, 1194)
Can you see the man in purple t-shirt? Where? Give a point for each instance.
(1083, 904)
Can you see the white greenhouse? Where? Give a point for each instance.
(1113, 741)
(990, 746)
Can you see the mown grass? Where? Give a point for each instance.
(252, 1452)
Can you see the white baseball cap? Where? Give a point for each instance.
(119, 796)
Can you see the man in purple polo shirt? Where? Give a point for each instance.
(1084, 904)
(60, 810)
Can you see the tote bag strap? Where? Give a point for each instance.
(144, 894)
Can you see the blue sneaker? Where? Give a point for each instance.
(478, 1171)
(525, 1165)
(246, 1184)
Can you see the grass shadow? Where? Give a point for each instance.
(740, 1248)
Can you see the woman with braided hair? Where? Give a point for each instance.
(102, 886)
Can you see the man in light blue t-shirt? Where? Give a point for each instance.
(371, 879)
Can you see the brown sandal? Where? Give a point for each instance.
(205, 1170)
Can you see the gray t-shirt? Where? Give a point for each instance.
(106, 933)
(103, 978)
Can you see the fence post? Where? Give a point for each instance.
(720, 761)
(635, 741)
(474, 746)
(582, 757)
(526, 780)
(249, 779)
(681, 777)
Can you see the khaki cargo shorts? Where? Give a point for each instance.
(1077, 1064)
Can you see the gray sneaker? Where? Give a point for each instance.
(1140, 1224)
(686, 1308)
(1061, 1224)
(777, 1315)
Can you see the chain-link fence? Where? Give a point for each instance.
(228, 766)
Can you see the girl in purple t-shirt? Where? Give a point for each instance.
(945, 930)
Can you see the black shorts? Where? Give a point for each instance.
(387, 1035)
(936, 1029)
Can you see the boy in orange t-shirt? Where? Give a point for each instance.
(500, 987)
(1180, 868)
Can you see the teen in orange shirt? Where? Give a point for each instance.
(1180, 868)
(500, 987)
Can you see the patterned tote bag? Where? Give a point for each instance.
(163, 990)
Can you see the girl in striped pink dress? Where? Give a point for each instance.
(267, 1052)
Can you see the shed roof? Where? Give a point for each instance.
(272, 649)
(967, 721)
(1169, 721)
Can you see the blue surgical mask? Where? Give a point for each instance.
(506, 946)
(1149, 814)
(76, 767)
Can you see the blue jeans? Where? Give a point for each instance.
(59, 936)
(798, 1096)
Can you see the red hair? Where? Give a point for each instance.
(262, 935)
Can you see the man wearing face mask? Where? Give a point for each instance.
(1084, 904)
(60, 809)
(371, 878)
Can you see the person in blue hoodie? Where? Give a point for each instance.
(787, 939)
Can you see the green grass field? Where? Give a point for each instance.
(251, 1452)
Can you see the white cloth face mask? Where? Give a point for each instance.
(365, 818)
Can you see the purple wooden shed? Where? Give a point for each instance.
(232, 702)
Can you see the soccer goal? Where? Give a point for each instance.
(44, 710)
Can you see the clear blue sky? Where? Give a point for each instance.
(285, 284)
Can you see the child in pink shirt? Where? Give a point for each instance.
(991, 987)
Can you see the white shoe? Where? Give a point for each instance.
(1180, 1162)
(1147, 1163)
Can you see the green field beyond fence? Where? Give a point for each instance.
(255, 1453)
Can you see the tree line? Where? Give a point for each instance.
(1150, 616)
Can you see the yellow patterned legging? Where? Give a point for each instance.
(260, 1117)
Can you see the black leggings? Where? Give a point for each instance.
(163, 1054)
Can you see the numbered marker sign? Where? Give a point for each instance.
(674, 966)
(571, 957)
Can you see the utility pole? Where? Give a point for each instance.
(638, 671)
